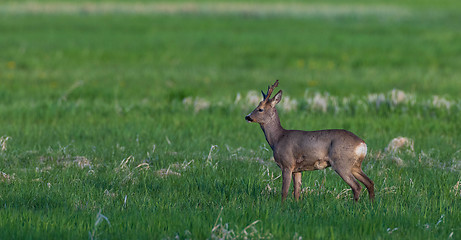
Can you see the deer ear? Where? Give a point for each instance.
(277, 98)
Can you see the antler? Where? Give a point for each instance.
(270, 89)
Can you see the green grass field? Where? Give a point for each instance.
(122, 122)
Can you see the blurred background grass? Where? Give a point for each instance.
(109, 84)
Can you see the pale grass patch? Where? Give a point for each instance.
(220, 8)
(399, 97)
(441, 102)
(323, 102)
(389, 190)
(456, 160)
(395, 147)
(173, 169)
(197, 103)
(85, 205)
(431, 159)
(125, 168)
(288, 104)
(253, 98)
(426, 158)
(271, 180)
(166, 172)
(398, 145)
(318, 102)
(376, 99)
(319, 189)
(201, 104)
(399, 161)
(269, 189)
(306, 191)
(394, 98)
(65, 161)
(43, 169)
(107, 193)
(82, 162)
(6, 177)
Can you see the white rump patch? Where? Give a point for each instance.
(361, 150)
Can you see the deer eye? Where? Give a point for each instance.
(260, 110)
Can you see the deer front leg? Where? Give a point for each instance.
(297, 185)
(286, 175)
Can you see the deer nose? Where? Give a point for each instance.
(248, 118)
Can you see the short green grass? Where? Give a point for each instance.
(131, 125)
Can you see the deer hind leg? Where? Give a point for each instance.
(286, 176)
(360, 175)
(348, 177)
(297, 184)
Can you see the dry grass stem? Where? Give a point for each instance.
(99, 219)
(456, 189)
(222, 231)
(143, 166)
(125, 162)
(74, 86)
(209, 159)
(343, 193)
(3, 141)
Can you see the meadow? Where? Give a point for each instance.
(126, 121)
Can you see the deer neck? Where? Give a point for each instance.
(273, 130)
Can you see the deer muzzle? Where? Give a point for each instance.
(248, 118)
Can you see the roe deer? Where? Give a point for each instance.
(296, 151)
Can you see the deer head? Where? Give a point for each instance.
(265, 111)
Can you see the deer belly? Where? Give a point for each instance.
(303, 164)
